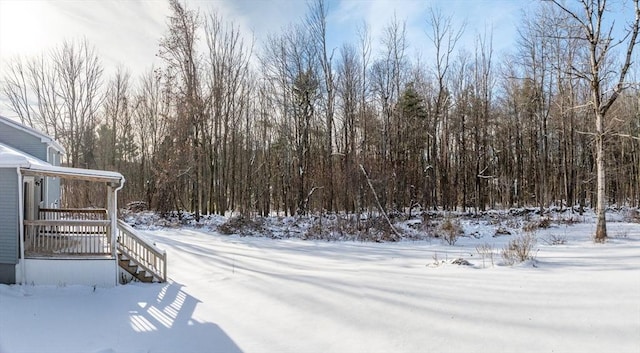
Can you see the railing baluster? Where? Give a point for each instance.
(141, 252)
(70, 231)
(74, 237)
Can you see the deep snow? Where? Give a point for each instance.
(252, 294)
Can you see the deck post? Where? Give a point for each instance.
(112, 211)
(23, 265)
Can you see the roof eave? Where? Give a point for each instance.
(53, 143)
(74, 173)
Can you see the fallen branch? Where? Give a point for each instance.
(628, 136)
(384, 213)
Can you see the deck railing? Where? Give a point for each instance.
(67, 237)
(141, 252)
(78, 232)
(72, 213)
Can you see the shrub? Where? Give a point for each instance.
(532, 226)
(373, 229)
(376, 229)
(485, 251)
(316, 232)
(555, 239)
(430, 230)
(632, 216)
(451, 229)
(137, 206)
(544, 222)
(241, 225)
(436, 261)
(519, 249)
(429, 225)
(514, 223)
(569, 220)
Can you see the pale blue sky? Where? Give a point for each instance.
(127, 32)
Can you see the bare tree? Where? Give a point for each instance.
(212, 131)
(484, 81)
(15, 88)
(116, 119)
(227, 70)
(387, 77)
(150, 113)
(178, 49)
(80, 73)
(317, 23)
(444, 39)
(349, 81)
(60, 93)
(290, 66)
(599, 71)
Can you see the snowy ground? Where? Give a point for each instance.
(255, 294)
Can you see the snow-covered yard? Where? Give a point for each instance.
(246, 294)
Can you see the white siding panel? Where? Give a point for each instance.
(63, 272)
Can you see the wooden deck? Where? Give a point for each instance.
(78, 233)
(68, 232)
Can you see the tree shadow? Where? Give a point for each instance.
(162, 320)
(131, 318)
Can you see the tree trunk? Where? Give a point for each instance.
(601, 226)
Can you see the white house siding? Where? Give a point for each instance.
(62, 272)
(9, 222)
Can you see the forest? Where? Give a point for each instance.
(290, 125)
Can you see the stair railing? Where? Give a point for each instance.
(142, 252)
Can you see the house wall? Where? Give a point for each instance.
(9, 222)
(52, 193)
(52, 189)
(7, 274)
(54, 157)
(23, 141)
(34, 146)
(62, 272)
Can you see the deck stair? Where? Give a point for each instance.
(139, 257)
(135, 269)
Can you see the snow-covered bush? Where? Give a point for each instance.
(377, 229)
(571, 220)
(316, 232)
(519, 249)
(137, 206)
(544, 222)
(242, 225)
(532, 226)
(632, 216)
(429, 226)
(348, 227)
(514, 223)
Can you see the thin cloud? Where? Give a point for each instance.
(127, 32)
(124, 33)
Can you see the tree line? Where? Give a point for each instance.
(293, 126)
